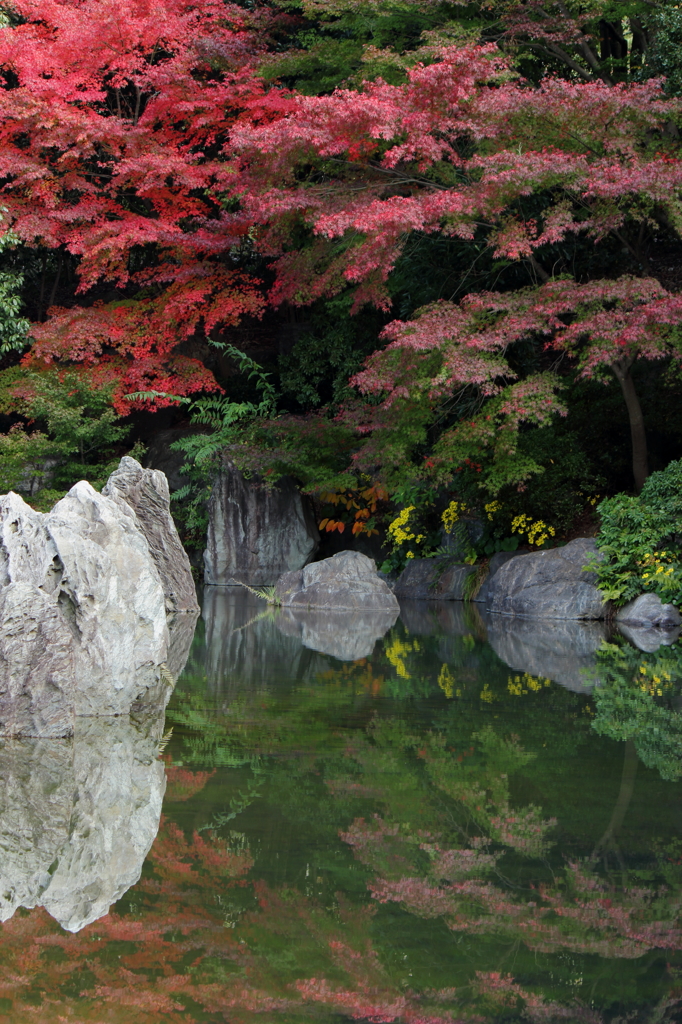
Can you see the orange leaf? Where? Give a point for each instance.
(340, 527)
(323, 523)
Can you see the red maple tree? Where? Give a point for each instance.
(114, 115)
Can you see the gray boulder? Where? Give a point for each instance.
(432, 579)
(254, 533)
(146, 492)
(551, 584)
(82, 613)
(648, 611)
(346, 580)
(564, 652)
(345, 635)
(78, 817)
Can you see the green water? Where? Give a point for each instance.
(423, 835)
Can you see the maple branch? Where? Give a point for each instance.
(552, 50)
(539, 269)
(588, 53)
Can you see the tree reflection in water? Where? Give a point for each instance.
(419, 837)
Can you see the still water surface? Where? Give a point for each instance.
(423, 835)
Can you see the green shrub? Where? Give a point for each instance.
(641, 540)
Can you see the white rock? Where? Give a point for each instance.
(79, 594)
(145, 491)
(111, 593)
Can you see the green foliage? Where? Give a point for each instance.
(21, 456)
(79, 435)
(638, 699)
(640, 539)
(13, 327)
(665, 54)
(226, 421)
(327, 352)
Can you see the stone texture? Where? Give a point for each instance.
(564, 652)
(37, 670)
(80, 600)
(549, 584)
(648, 611)
(432, 579)
(495, 563)
(345, 635)
(347, 580)
(78, 817)
(146, 492)
(111, 594)
(256, 534)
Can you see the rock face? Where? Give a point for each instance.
(548, 584)
(82, 613)
(345, 635)
(78, 817)
(347, 580)
(256, 534)
(146, 492)
(496, 562)
(37, 671)
(432, 579)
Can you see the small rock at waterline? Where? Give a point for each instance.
(648, 610)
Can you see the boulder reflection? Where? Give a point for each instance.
(78, 817)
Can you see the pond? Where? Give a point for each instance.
(434, 831)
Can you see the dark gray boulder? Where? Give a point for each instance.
(551, 584)
(495, 563)
(564, 652)
(146, 492)
(432, 579)
(347, 580)
(256, 533)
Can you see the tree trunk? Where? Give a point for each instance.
(640, 458)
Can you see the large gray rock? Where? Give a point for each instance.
(551, 584)
(78, 817)
(564, 652)
(433, 579)
(346, 580)
(146, 492)
(254, 533)
(81, 594)
(500, 558)
(345, 635)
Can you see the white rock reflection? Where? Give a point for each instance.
(78, 817)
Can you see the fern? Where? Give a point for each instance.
(225, 420)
